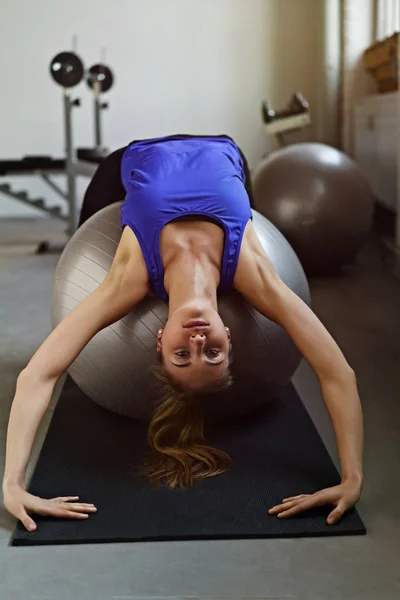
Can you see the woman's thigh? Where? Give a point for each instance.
(106, 186)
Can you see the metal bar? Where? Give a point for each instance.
(288, 124)
(97, 114)
(84, 168)
(54, 186)
(29, 172)
(69, 150)
(5, 189)
(398, 154)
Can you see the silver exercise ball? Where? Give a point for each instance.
(114, 369)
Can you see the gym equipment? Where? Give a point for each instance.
(293, 117)
(75, 167)
(99, 79)
(319, 199)
(114, 369)
(31, 163)
(88, 166)
(40, 165)
(276, 453)
(44, 167)
(92, 155)
(67, 69)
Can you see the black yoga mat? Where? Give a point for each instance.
(95, 454)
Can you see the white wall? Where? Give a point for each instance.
(358, 32)
(196, 66)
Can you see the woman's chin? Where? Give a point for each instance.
(195, 309)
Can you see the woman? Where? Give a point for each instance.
(187, 234)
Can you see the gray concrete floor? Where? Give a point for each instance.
(362, 310)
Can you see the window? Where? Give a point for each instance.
(387, 18)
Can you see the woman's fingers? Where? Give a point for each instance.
(294, 498)
(296, 504)
(281, 507)
(26, 520)
(296, 508)
(79, 507)
(63, 507)
(54, 506)
(337, 513)
(63, 513)
(69, 500)
(303, 502)
(66, 499)
(340, 496)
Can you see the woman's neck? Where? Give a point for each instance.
(190, 278)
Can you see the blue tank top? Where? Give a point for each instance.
(180, 176)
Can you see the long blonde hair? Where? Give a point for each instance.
(181, 455)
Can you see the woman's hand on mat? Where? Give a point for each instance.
(21, 504)
(342, 497)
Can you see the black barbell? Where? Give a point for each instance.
(67, 70)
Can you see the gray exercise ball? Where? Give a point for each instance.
(114, 369)
(319, 199)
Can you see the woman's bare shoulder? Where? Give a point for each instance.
(253, 264)
(129, 259)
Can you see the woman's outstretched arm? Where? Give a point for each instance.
(124, 286)
(257, 280)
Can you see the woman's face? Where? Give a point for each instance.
(195, 347)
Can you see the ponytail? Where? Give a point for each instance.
(181, 456)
